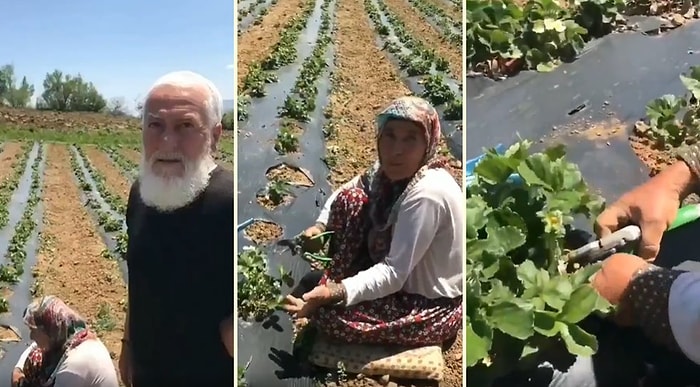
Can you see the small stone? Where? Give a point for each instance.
(360, 376)
(384, 380)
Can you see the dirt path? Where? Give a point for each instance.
(114, 178)
(8, 157)
(131, 155)
(70, 264)
(425, 33)
(256, 42)
(453, 11)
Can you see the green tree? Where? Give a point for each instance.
(11, 94)
(228, 121)
(65, 92)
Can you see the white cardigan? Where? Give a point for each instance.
(428, 243)
(87, 365)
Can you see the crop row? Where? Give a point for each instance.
(250, 9)
(107, 221)
(127, 167)
(283, 53)
(9, 185)
(450, 29)
(15, 256)
(416, 59)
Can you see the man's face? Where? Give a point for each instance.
(178, 142)
(175, 131)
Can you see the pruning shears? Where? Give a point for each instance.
(625, 236)
(296, 245)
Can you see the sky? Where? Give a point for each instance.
(121, 46)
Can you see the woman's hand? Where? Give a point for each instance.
(309, 243)
(652, 206)
(17, 377)
(299, 308)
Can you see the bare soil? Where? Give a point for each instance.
(263, 232)
(424, 32)
(65, 121)
(655, 158)
(114, 179)
(289, 174)
(257, 41)
(131, 155)
(70, 264)
(10, 152)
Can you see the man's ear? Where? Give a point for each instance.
(216, 136)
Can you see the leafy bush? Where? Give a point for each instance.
(665, 128)
(541, 33)
(521, 301)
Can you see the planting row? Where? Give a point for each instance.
(450, 28)
(107, 208)
(300, 105)
(21, 224)
(283, 53)
(251, 12)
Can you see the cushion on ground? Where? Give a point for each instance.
(424, 363)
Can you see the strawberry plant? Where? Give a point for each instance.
(540, 34)
(674, 120)
(259, 293)
(521, 302)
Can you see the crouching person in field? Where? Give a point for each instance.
(397, 244)
(64, 351)
(179, 324)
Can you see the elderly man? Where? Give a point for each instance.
(179, 325)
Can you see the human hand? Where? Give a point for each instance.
(298, 307)
(310, 241)
(613, 280)
(652, 206)
(125, 364)
(226, 332)
(17, 377)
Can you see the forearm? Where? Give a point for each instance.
(647, 300)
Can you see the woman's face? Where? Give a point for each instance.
(41, 339)
(402, 148)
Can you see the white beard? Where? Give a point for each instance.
(168, 194)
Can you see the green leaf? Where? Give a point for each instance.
(512, 319)
(527, 274)
(537, 171)
(582, 302)
(477, 215)
(693, 85)
(557, 291)
(479, 344)
(578, 342)
(546, 324)
(495, 169)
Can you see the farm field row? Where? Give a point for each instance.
(312, 75)
(62, 209)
